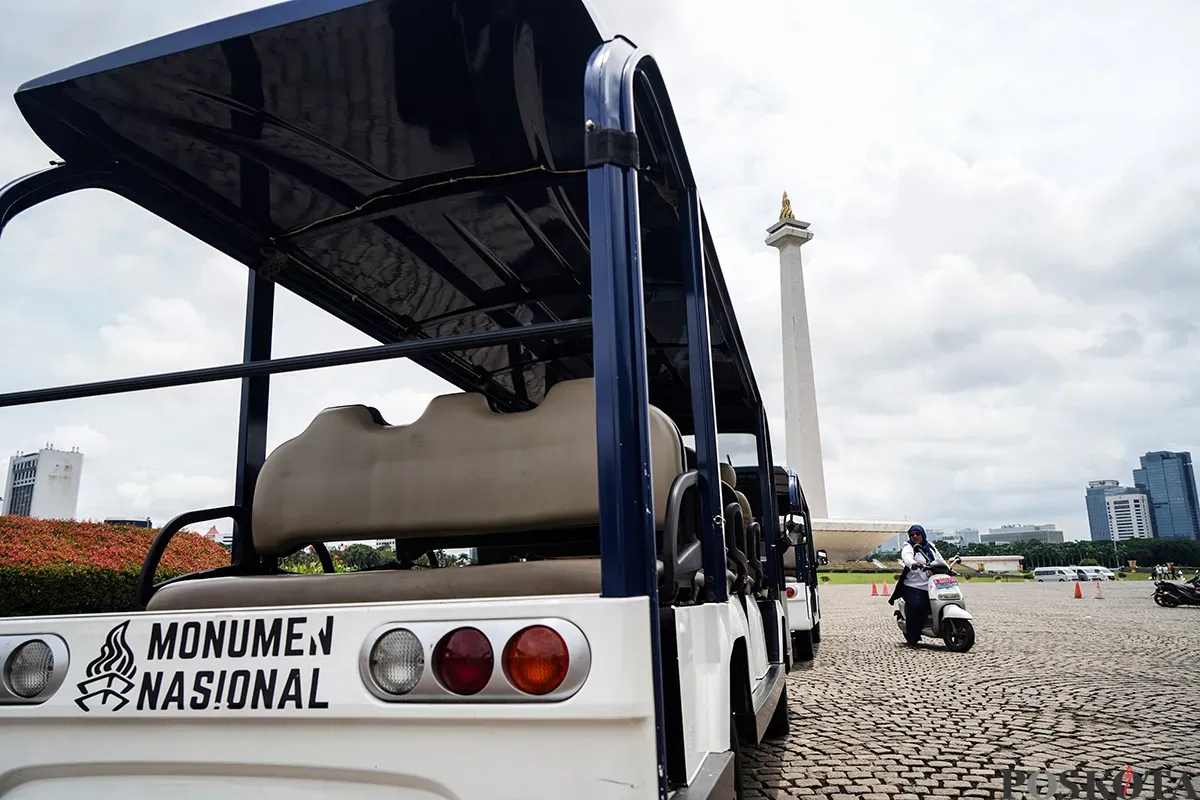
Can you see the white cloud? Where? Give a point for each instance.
(84, 437)
(1001, 286)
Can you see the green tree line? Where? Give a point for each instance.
(1146, 552)
(364, 556)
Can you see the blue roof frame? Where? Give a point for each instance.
(414, 167)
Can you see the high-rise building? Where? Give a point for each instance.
(967, 535)
(1097, 509)
(1118, 512)
(1169, 480)
(1129, 515)
(44, 485)
(1011, 534)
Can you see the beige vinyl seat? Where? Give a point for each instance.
(729, 476)
(789, 563)
(460, 469)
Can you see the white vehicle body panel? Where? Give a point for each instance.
(756, 644)
(705, 635)
(335, 739)
(801, 614)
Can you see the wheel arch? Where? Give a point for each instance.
(741, 704)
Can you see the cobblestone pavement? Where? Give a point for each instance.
(1052, 683)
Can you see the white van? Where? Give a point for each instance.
(1054, 574)
(1098, 574)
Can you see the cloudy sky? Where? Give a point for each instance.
(1002, 287)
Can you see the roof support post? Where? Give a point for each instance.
(704, 419)
(628, 549)
(256, 390)
(775, 545)
(255, 182)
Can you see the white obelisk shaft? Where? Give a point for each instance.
(802, 430)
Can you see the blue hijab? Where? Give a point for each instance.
(924, 547)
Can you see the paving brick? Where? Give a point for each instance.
(1051, 682)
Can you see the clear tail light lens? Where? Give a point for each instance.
(463, 661)
(397, 661)
(536, 660)
(29, 669)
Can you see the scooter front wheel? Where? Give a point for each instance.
(959, 635)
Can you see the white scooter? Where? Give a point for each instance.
(949, 619)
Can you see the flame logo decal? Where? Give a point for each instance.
(110, 675)
(115, 655)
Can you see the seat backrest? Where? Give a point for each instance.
(729, 475)
(459, 469)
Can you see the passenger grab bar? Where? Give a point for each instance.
(733, 521)
(146, 586)
(679, 567)
(754, 557)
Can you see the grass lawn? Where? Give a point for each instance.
(855, 577)
(880, 577)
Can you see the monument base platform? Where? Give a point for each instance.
(853, 540)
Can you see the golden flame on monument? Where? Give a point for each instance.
(786, 211)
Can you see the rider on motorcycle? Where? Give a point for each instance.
(917, 554)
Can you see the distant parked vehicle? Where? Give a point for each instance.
(1060, 574)
(1093, 574)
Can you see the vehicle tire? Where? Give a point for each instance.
(736, 747)
(779, 725)
(1158, 598)
(959, 636)
(802, 646)
(816, 633)
(1168, 601)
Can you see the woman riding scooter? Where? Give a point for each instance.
(917, 554)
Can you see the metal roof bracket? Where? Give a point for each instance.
(603, 146)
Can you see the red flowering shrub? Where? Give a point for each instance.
(64, 567)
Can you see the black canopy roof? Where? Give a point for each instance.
(414, 167)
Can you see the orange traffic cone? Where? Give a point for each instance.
(874, 590)
(1078, 591)
(885, 592)
(1099, 594)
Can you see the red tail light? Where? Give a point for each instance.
(463, 660)
(536, 660)
(791, 592)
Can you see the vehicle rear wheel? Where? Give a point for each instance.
(779, 725)
(802, 646)
(816, 633)
(959, 635)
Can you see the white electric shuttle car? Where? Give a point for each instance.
(498, 191)
(799, 566)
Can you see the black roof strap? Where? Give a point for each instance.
(603, 146)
